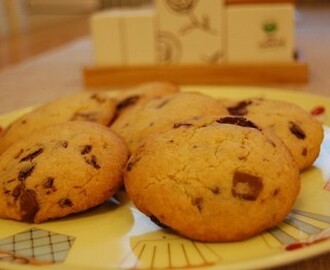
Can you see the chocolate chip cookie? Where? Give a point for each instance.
(64, 169)
(301, 133)
(161, 113)
(84, 106)
(224, 180)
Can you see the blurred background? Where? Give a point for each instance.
(29, 27)
(38, 28)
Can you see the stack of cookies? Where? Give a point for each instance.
(210, 170)
(216, 170)
(60, 159)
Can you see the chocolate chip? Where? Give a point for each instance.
(25, 172)
(162, 104)
(93, 162)
(304, 152)
(182, 124)
(17, 190)
(98, 98)
(215, 190)
(64, 144)
(32, 155)
(238, 121)
(240, 109)
(29, 205)
(48, 182)
(65, 202)
(276, 192)
(246, 186)
(297, 131)
(127, 102)
(86, 149)
(198, 203)
(156, 221)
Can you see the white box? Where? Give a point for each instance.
(190, 32)
(260, 33)
(124, 37)
(140, 41)
(107, 41)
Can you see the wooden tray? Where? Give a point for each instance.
(237, 74)
(243, 2)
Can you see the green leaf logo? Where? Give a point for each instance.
(270, 27)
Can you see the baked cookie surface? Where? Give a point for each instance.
(82, 106)
(143, 92)
(64, 169)
(226, 180)
(160, 114)
(301, 133)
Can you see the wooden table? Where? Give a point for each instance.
(29, 75)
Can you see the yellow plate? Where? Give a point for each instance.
(116, 235)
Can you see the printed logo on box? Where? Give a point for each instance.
(272, 38)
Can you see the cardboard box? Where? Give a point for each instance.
(190, 32)
(260, 33)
